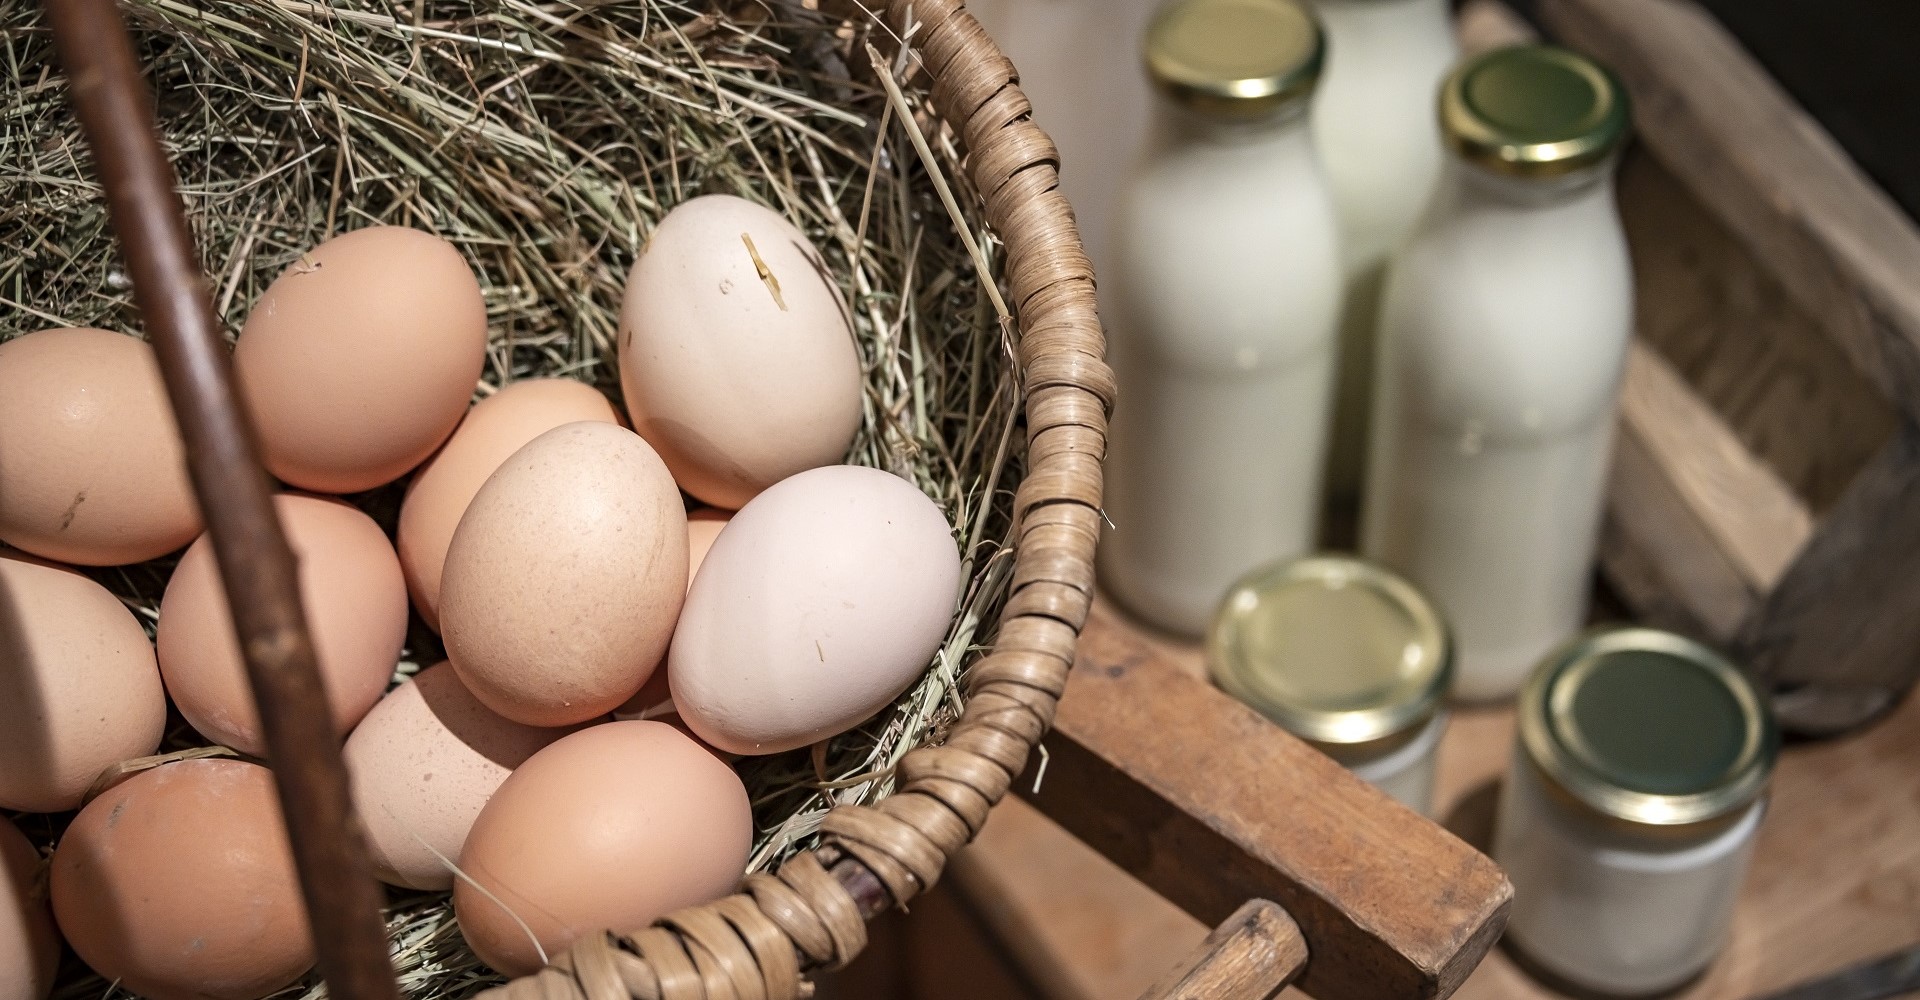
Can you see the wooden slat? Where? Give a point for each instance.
(1252, 956)
(1753, 517)
(1660, 558)
(1844, 617)
(1778, 181)
(1210, 804)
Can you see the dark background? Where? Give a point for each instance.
(1855, 64)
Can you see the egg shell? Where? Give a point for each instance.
(824, 599)
(703, 526)
(79, 689)
(494, 429)
(423, 762)
(179, 883)
(356, 604)
(736, 385)
(610, 828)
(92, 470)
(29, 946)
(565, 576)
(361, 357)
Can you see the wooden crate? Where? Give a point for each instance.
(1766, 487)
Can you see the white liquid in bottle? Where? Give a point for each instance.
(1373, 123)
(1228, 283)
(1503, 333)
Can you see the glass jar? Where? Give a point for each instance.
(1346, 656)
(1228, 286)
(1373, 123)
(1629, 813)
(1503, 333)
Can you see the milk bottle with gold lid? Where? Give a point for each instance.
(1228, 284)
(1502, 336)
(1373, 123)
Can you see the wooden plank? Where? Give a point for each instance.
(1658, 555)
(1751, 515)
(1736, 336)
(1778, 182)
(1252, 956)
(1843, 619)
(1835, 876)
(1210, 804)
(1079, 927)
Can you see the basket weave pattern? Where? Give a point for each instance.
(811, 914)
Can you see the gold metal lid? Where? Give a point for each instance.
(1533, 111)
(1235, 58)
(1334, 649)
(1648, 728)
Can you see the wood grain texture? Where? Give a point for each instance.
(1778, 181)
(1659, 556)
(1844, 616)
(1835, 876)
(1253, 955)
(1741, 341)
(1210, 804)
(1751, 515)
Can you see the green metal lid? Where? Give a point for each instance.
(1648, 728)
(1533, 111)
(1334, 649)
(1235, 58)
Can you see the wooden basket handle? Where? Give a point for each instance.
(235, 495)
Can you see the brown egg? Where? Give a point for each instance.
(79, 690)
(565, 576)
(495, 428)
(92, 470)
(703, 526)
(612, 827)
(356, 603)
(423, 762)
(179, 882)
(361, 357)
(824, 599)
(29, 947)
(736, 350)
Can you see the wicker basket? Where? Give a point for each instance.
(810, 914)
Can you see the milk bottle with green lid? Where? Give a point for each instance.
(1227, 283)
(1503, 331)
(1373, 123)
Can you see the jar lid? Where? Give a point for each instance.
(1533, 111)
(1334, 649)
(1235, 58)
(1648, 728)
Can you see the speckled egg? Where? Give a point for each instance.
(565, 576)
(356, 604)
(79, 690)
(179, 882)
(92, 470)
(29, 948)
(361, 357)
(495, 428)
(824, 599)
(736, 350)
(423, 762)
(611, 828)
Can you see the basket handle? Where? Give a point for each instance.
(1254, 955)
(235, 495)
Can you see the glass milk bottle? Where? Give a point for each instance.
(1227, 282)
(1346, 656)
(1373, 123)
(1503, 332)
(1628, 818)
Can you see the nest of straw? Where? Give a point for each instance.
(545, 139)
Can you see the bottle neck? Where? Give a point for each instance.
(1177, 125)
(1473, 186)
